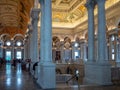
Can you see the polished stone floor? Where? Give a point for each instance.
(16, 79)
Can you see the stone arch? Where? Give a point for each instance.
(56, 42)
(18, 35)
(67, 42)
(1, 36)
(18, 38)
(5, 37)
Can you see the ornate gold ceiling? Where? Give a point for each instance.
(67, 11)
(14, 16)
(71, 13)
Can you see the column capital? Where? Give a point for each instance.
(35, 13)
(90, 4)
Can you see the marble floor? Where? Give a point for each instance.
(16, 79)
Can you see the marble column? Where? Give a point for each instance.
(81, 50)
(42, 33)
(31, 49)
(89, 65)
(28, 48)
(62, 51)
(47, 68)
(35, 18)
(110, 48)
(90, 6)
(31, 43)
(102, 44)
(1, 49)
(13, 50)
(73, 51)
(25, 50)
(95, 73)
(48, 31)
(85, 51)
(117, 46)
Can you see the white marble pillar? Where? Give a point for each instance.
(90, 6)
(30, 41)
(47, 68)
(48, 31)
(42, 33)
(81, 51)
(110, 48)
(102, 44)
(31, 49)
(96, 49)
(31, 45)
(117, 46)
(95, 73)
(85, 52)
(62, 51)
(28, 48)
(1, 49)
(35, 18)
(73, 51)
(25, 49)
(13, 50)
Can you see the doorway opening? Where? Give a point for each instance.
(8, 56)
(18, 55)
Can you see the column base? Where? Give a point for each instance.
(97, 74)
(47, 76)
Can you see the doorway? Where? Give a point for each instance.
(18, 54)
(8, 56)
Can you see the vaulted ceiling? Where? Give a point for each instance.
(15, 14)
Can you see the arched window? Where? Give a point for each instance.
(8, 43)
(18, 43)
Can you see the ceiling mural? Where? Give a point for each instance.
(68, 11)
(71, 13)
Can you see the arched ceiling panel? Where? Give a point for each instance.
(14, 16)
